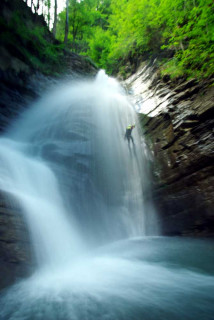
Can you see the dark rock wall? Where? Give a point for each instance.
(177, 120)
(21, 81)
(16, 260)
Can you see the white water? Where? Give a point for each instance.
(74, 176)
(80, 186)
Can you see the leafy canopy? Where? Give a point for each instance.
(113, 32)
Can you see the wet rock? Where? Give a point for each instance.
(15, 254)
(186, 85)
(180, 135)
(186, 206)
(183, 95)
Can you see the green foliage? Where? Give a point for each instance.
(149, 26)
(191, 35)
(113, 32)
(83, 17)
(99, 46)
(119, 33)
(88, 29)
(172, 68)
(33, 43)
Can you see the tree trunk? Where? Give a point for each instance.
(75, 30)
(66, 24)
(43, 8)
(49, 14)
(38, 5)
(55, 19)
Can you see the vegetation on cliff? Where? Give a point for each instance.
(27, 44)
(184, 27)
(114, 32)
(25, 36)
(118, 34)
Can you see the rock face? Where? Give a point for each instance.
(21, 80)
(15, 254)
(177, 120)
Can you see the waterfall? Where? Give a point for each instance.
(75, 178)
(83, 192)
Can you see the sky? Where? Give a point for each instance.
(60, 6)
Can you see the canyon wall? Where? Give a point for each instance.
(177, 121)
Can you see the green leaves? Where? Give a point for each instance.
(32, 43)
(187, 27)
(113, 32)
(84, 17)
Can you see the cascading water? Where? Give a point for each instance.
(80, 187)
(77, 134)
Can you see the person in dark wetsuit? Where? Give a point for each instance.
(128, 134)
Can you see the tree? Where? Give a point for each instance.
(38, 5)
(48, 4)
(114, 32)
(66, 23)
(76, 22)
(55, 18)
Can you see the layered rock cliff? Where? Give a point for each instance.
(177, 120)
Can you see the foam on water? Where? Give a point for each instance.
(135, 281)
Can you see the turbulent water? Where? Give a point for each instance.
(84, 193)
(140, 279)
